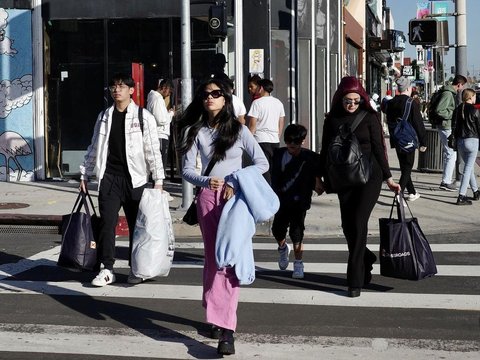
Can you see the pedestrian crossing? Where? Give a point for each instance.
(323, 259)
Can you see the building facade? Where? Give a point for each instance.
(56, 75)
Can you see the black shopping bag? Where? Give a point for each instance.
(79, 236)
(404, 250)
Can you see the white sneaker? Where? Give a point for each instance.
(284, 252)
(132, 279)
(103, 278)
(413, 197)
(297, 269)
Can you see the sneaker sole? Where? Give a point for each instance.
(297, 276)
(447, 189)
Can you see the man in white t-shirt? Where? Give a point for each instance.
(239, 108)
(266, 119)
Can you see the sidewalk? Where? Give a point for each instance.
(436, 209)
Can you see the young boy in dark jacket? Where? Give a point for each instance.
(294, 177)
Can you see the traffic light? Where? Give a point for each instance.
(422, 32)
(217, 21)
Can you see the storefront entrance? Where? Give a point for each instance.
(80, 57)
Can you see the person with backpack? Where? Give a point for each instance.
(440, 115)
(350, 103)
(124, 152)
(403, 108)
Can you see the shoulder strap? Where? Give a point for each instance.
(140, 117)
(209, 168)
(357, 121)
(406, 111)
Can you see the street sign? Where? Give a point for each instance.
(407, 70)
(422, 32)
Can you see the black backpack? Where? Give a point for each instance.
(432, 113)
(347, 166)
(404, 135)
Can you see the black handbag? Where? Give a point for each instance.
(79, 236)
(404, 250)
(191, 215)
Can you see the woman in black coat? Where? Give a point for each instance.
(357, 202)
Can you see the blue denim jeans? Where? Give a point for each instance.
(449, 156)
(467, 149)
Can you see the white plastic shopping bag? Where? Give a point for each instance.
(153, 239)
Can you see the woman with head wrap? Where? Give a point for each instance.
(357, 202)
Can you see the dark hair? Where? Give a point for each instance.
(121, 78)
(254, 79)
(295, 133)
(459, 79)
(196, 117)
(266, 84)
(165, 83)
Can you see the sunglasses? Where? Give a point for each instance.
(352, 102)
(214, 94)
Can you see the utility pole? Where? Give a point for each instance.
(461, 37)
(187, 188)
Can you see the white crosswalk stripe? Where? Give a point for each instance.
(134, 343)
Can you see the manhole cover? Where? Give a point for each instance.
(5, 206)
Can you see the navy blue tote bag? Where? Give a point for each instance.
(404, 250)
(79, 232)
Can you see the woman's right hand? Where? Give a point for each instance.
(83, 186)
(396, 188)
(215, 183)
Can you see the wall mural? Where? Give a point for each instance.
(16, 91)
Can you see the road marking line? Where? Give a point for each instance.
(249, 295)
(176, 344)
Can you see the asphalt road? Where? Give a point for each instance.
(48, 312)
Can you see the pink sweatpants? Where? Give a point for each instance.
(220, 286)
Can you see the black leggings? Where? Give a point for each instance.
(406, 161)
(356, 205)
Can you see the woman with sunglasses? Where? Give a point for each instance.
(214, 133)
(357, 202)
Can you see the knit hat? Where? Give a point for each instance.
(402, 83)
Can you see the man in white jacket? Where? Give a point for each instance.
(124, 151)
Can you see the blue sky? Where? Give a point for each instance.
(405, 10)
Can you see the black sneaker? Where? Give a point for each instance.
(476, 195)
(226, 343)
(448, 187)
(463, 200)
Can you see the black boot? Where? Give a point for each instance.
(463, 200)
(226, 343)
(354, 292)
(476, 195)
(215, 332)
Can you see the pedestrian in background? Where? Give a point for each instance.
(395, 111)
(156, 105)
(213, 132)
(466, 129)
(295, 171)
(357, 202)
(444, 111)
(124, 152)
(266, 119)
(253, 86)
